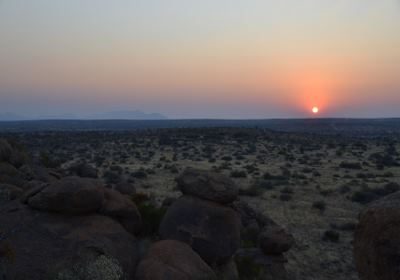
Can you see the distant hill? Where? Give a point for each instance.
(126, 115)
(57, 117)
(115, 115)
(340, 127)
(7, 116)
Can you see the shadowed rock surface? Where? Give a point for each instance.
(42, 245)
(377, 240)
(211, 229)
(171, 259)
(122, 209)
(274, 240)
(72, 195)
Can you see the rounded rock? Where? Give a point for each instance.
(208, 185)
(274, 240)
(70, 195)
(171, 259)
(377, 240)
(211, 229)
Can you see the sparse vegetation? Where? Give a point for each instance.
(304, 182)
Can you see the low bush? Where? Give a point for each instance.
(238, 174)
(320, 205)
(331, 236)
(350, 165)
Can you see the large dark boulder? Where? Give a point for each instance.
(72, 195)
(207, 185)
(377, 240)
(253, 223)
(43, 245)
(211, 229)
(171, 259)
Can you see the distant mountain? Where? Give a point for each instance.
(57, 117)
(126, 115)
(7, 116)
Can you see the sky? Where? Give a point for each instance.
(201, 59)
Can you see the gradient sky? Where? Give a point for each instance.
(209, 58)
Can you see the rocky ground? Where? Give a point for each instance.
(307, 187)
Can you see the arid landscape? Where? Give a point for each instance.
(314, 186)
(199, 140)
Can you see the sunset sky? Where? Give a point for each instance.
(201, 59)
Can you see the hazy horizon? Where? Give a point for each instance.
(201, 59)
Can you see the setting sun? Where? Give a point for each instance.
(315, 110)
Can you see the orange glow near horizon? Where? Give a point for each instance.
(218, 58)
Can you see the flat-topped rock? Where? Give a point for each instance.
(207, 185)
(70, 195)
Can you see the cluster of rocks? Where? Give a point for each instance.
(54, 226)
(71, 223)
(57, 226)
(210, 219)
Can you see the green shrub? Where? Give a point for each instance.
(151, 218)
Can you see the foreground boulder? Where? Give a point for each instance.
(211, 229)
(268, 260)
(171, 259)
(207, 185)
(71, 195)
(377, 240)
(74, 195)
(43, 245)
